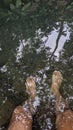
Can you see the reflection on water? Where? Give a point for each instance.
(34, 46)
(51, 42)
(20, 49)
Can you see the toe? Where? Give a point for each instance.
(55, 72)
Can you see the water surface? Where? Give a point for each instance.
(35, 44)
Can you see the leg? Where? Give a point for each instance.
(22, 115)
(60, 103)
(64, 118)
(21, 119)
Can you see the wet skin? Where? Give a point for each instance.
(22, 115)
(64, 117)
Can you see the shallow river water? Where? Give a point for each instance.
(35, 44)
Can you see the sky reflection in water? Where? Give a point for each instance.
(36, 61)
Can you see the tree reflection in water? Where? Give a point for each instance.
(26, 49)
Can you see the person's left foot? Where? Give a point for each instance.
(31, 87)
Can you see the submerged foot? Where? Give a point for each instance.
(31, 90)
(56, 81)
(31, 87)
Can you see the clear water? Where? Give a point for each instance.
(35, 44)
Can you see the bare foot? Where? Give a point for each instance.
(31, 90)
(56, 81)
(31, 87)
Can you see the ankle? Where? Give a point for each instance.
(56, 84)
(55, 88)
